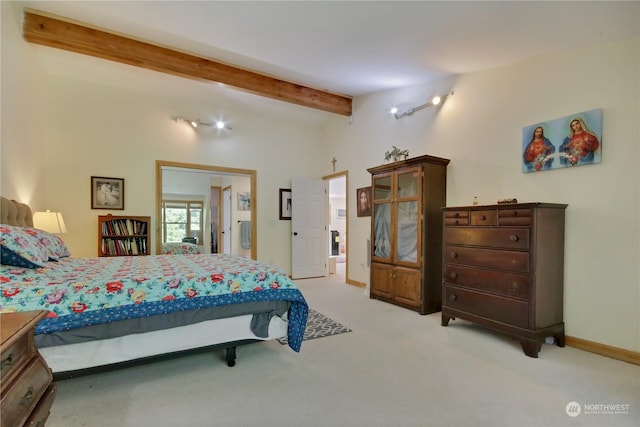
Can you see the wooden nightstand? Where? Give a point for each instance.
(26, 385)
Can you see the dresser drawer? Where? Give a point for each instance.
(41, 413)
(510, 238)
(456, 217)
(13, 357)
(490, 258)
(497, 282)
(497, 308)
(484, 217)
(22, 397)
(511, 217)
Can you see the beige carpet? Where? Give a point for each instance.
(396, 368)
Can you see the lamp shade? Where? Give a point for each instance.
(49, 221)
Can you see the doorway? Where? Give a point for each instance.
(338, 234)
(216, 218)
(210, 171)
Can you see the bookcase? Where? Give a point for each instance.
(123, 235)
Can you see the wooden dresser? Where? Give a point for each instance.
(26, 386)
(503, 267)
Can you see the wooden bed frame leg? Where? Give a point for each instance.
(230, 356)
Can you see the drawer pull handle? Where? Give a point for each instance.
(457, 222)
(453, 275)
(7, 361)
(516, 286)
(453, 255)
(514, 238)
(515, 213)
(452, 297)
(483, 217)
(456, 215)
(27, 397)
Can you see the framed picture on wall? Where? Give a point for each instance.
(244, 201)
(568, 141)
(107, 193)
(363, 201)
(285, 203)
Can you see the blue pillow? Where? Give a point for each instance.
(19, 248)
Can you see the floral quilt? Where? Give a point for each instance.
(82, 292)
(180, 248)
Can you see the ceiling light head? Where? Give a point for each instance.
(436, 100)
(393, 110)
(196, 123)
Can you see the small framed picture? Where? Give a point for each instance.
(285, 203)
(107, 193)
(244, 201)
(363, 201)
(341, 213)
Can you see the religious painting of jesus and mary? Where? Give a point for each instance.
(568, 141)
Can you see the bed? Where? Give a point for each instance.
(180, 248)
(114, 311)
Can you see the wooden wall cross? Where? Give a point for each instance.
(334, 163)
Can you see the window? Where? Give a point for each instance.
(180, 219)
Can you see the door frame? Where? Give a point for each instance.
(215, 170)
(345, 173)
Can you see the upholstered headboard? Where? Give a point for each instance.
(15, 213)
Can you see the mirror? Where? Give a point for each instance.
(193, 187)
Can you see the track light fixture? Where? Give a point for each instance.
(436, 100)
(195, 123)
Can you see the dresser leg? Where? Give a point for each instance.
(531, 348)
(560, 340)
(445, 319)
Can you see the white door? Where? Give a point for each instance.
(226, 220)
(309, 228)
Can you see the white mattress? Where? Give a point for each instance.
(91, 354)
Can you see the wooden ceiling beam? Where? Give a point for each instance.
(47, 30)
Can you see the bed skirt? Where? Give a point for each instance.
(102, 353)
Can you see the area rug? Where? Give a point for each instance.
(318, 326)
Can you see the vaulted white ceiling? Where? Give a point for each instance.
(346, 47)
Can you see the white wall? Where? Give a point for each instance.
(106, 131)
(22, 131)
(59, 131)
(479, 128)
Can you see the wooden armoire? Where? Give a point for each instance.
(406, 232)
